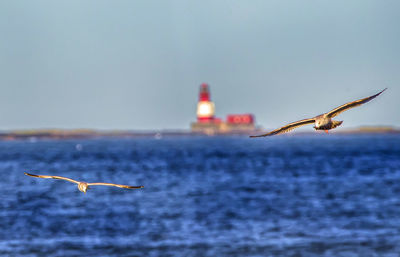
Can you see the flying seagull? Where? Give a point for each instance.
(83, 186)
(323, 121)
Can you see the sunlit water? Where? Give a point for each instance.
(219, 196)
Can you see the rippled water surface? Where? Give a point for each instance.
(219, 196)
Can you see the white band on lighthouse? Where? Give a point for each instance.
(205, 109)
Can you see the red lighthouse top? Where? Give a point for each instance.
(204, 93)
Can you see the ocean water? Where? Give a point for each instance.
(325, 195)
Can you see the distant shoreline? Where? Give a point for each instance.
(56, 134)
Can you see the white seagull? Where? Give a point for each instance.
(323, 121)
(83, 186)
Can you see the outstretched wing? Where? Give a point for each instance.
(288, 127)
(114, 185)
(54, 177)
(350, 105)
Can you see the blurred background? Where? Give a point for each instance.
(137, 66)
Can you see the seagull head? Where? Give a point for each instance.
(83, 187)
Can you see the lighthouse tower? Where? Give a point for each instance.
(205, 108)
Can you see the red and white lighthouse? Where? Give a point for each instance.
(205, 108)
(209, 124)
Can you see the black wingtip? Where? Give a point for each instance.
(135, 187)
(263, 135)
(379, 93)
(31, 175)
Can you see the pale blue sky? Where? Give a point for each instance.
(139, 64)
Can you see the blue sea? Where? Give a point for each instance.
(323, 195)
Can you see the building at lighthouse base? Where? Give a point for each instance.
(235, 123)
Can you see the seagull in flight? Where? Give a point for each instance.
(83, 186)
(323, 121)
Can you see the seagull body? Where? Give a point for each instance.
(83, 186)
(323, 121)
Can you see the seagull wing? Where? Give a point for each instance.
(350, 105)
(114, 185)
(288, 127)
(54, 177)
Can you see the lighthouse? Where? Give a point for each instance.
(208, 124)
(205, 108)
